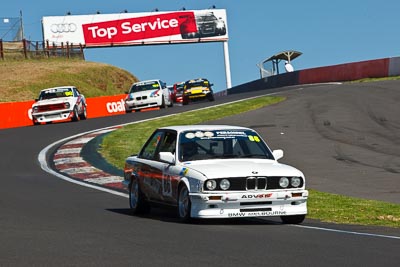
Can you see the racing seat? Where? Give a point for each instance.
(189, 150)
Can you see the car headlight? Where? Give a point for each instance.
(224, 184)
(284, 182)
(211, 184)
(67, 105)
(35, 109)
(295, 181)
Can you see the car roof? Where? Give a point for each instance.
(196, 80)
(182, 128)
(58, 87)
(148, 81)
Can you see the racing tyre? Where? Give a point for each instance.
(171, 103)
(75, 114)
(137, 203)
(163, 103)
(293, 219)
(83, 116)
(35, 122)
(210, 97)
(128, 111)
(184, 204)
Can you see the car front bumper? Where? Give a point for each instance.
(57, 115)
(135, 105)
(249, 204)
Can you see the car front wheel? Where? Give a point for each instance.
(184, 204)
(83, 116)
(75, 114)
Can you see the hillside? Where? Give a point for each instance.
(22, 80)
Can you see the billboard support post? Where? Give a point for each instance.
(227, 66)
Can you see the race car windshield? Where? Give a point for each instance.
(197, 84)
(222, 144)
(55, 93)
(144, 87)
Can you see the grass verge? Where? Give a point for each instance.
(322, 206)
(22, 80)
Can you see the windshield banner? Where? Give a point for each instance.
(136, 28)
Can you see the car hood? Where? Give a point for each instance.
(53, 101)
(242, 168)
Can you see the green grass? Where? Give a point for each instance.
(22, 80)
(366, 80)
(335, 208)
(322, 206)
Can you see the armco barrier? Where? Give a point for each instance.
(18, 114)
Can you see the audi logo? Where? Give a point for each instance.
(63, 27)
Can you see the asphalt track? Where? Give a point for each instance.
(344, 137)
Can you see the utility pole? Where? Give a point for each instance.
(22, 25)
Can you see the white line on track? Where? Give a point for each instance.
(345, 232)
(43, 163)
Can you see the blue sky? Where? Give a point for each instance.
(326, 32)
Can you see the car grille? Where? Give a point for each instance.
(51, 107)
(207, 28)
(252, 183)
(141, 97)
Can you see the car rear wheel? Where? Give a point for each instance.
(293, 219)
(184, 204)
(137, 203)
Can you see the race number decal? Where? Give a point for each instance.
(166, 183)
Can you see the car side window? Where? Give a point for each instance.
(149, 151)
(77, 93)
(168, 143)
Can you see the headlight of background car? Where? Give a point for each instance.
(67, 105)
(295, 181)
(211, 184)
(224, 184)
(35, 109)
(284, 182)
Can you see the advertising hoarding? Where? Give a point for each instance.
(100, 30)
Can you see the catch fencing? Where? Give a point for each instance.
(26, 49)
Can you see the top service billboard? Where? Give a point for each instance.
(99, 30)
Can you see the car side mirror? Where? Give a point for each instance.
(167, 157)
(278, 154)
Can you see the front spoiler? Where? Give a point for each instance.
(235, 205)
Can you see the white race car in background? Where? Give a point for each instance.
(214, 171)
(147, 94)
(59, 104)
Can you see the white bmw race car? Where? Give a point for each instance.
(59, 104)
(148, 94)
(214, 171)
